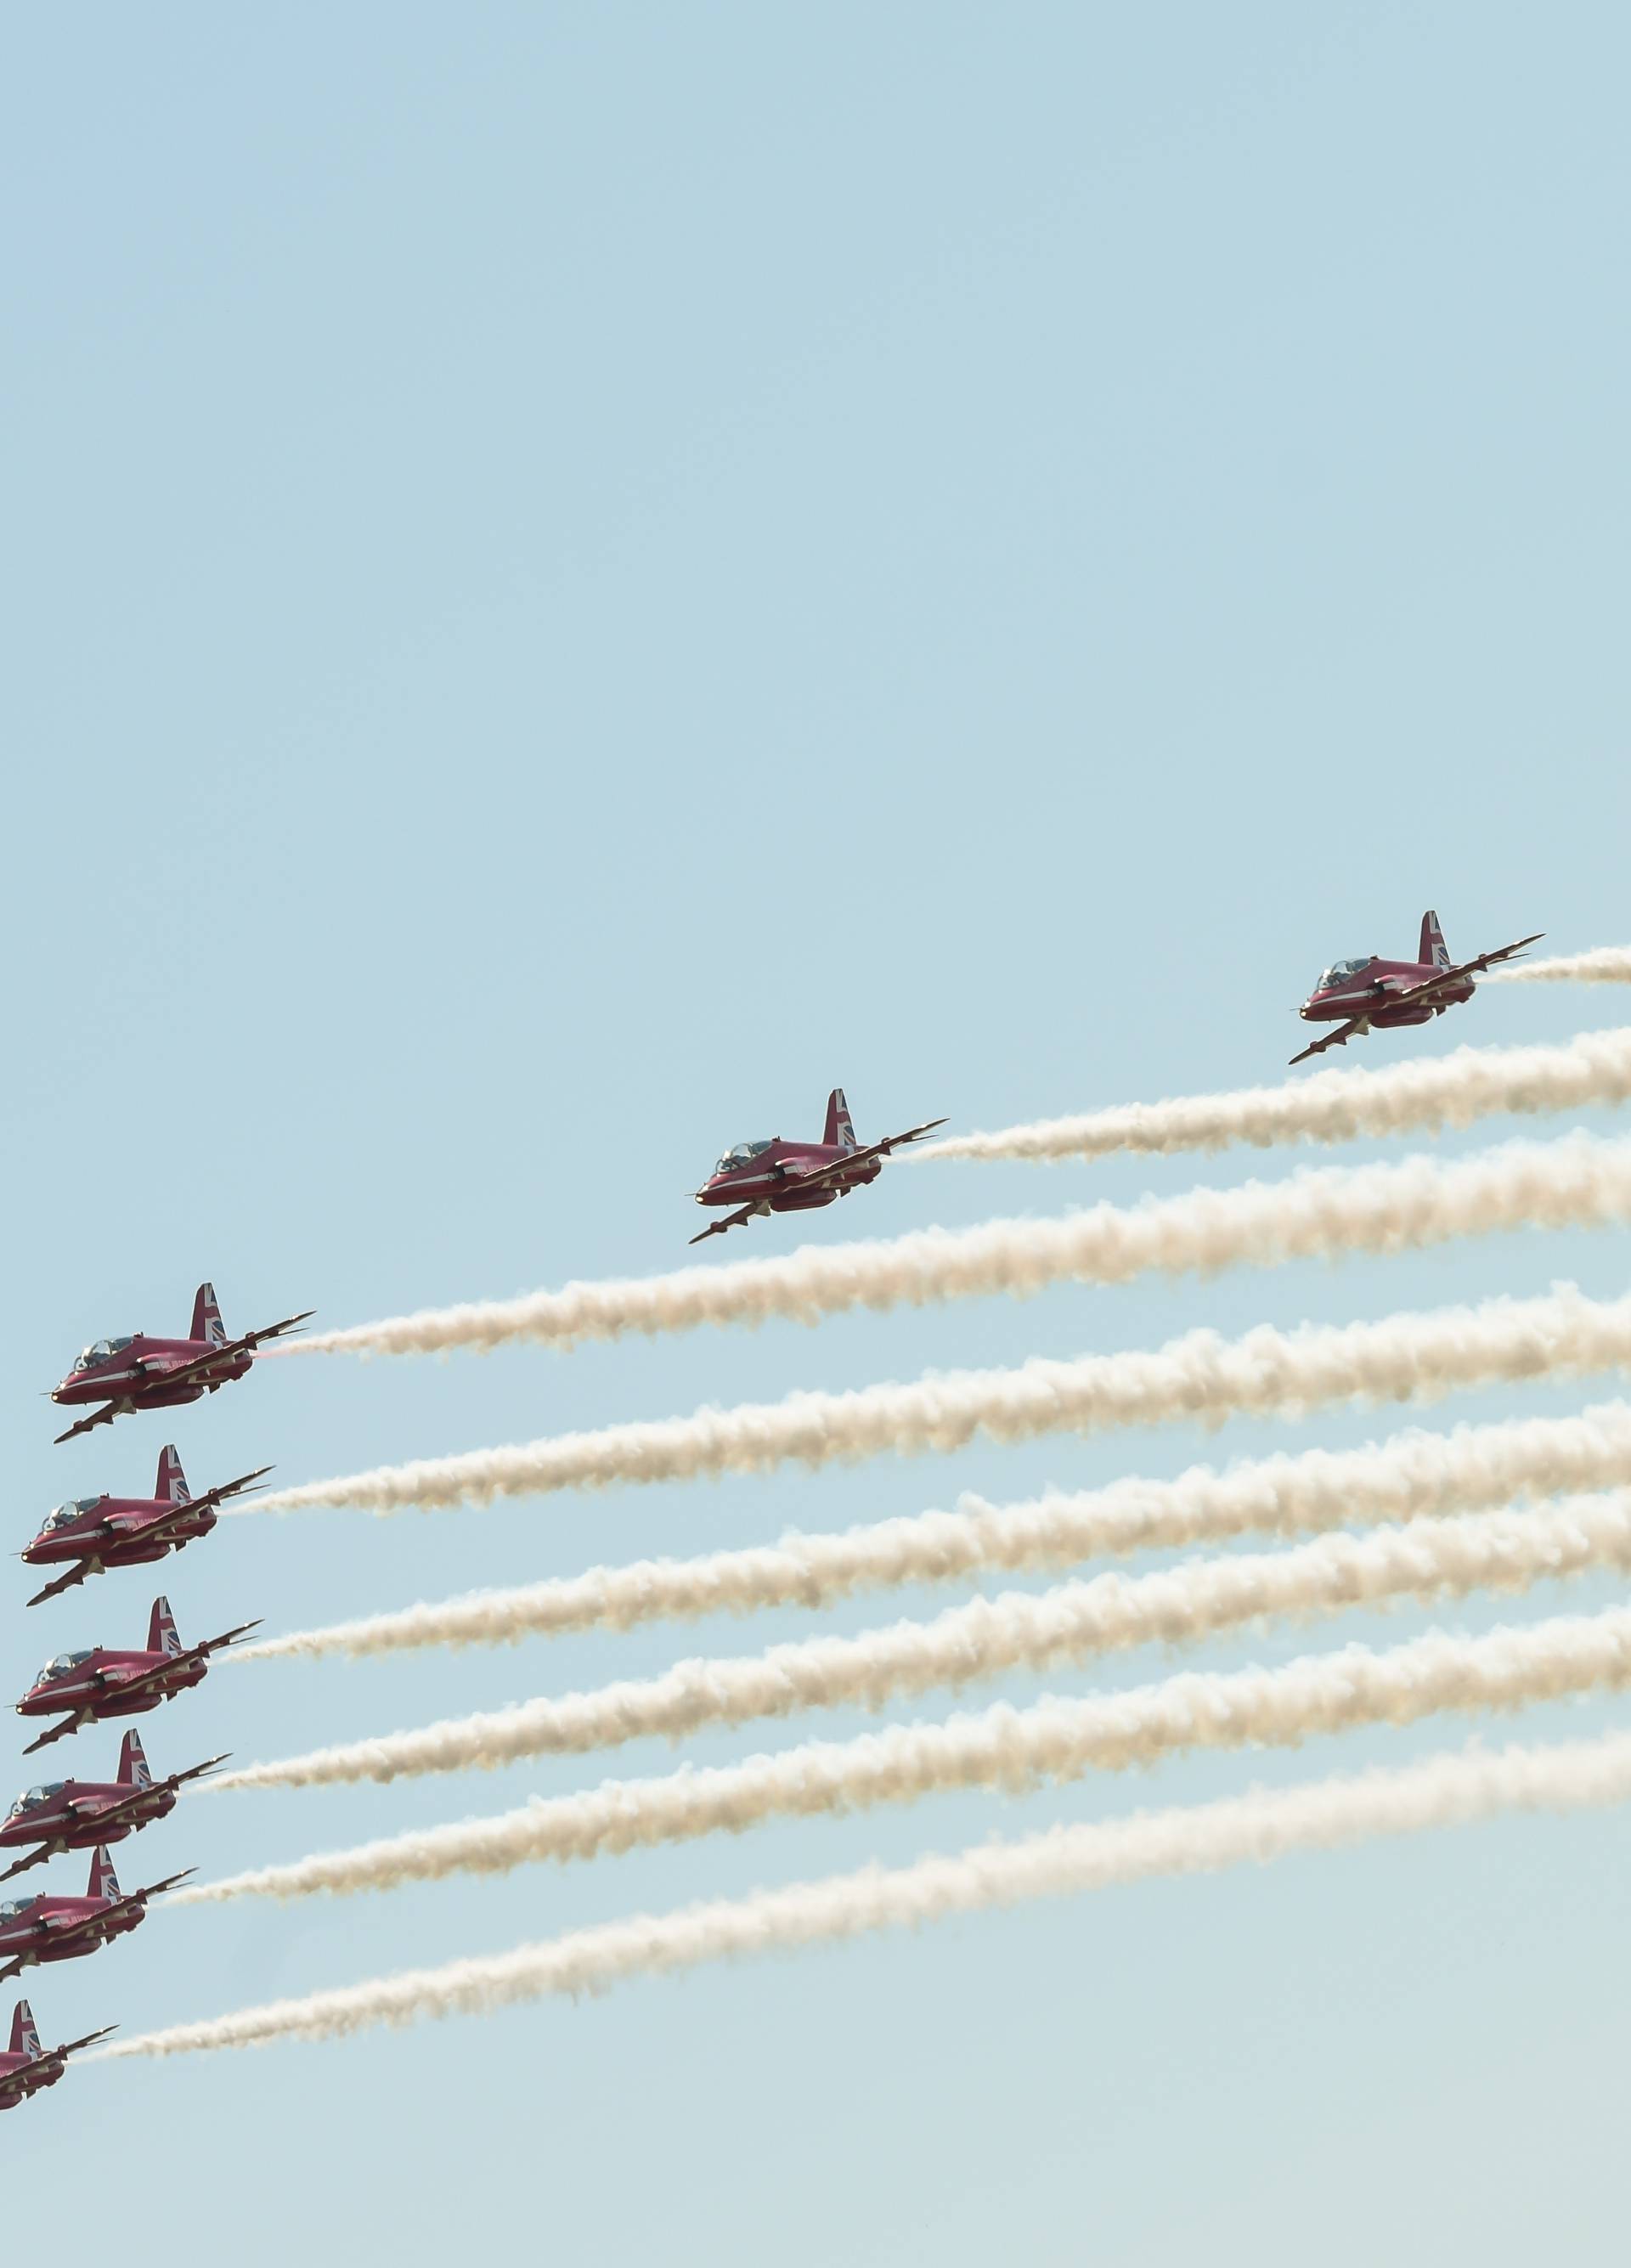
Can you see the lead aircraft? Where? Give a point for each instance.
(36, 1929)
(74, 1814)
(94, 1683)
(777, 1176)
(28, 2067)
(99, 1532)
(137, 1373)
(1368, 993)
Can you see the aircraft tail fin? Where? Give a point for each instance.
(207, 1324)
(162, 1634)
(25, 2033)
(133, 1772)
(171, 1486)
(1434, 952)
(839, 1134)
(103, 1882)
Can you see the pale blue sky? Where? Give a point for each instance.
(574, 576)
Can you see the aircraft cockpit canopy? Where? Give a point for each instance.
(60, 1664)
(65, 1514)
(102, 1350)
(13, 1909)
(36, 1797)
(1340, 971)
(743, 1154)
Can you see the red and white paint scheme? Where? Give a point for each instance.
(777, 1176)
(27, 2067)
(84, 1688)
(138, 1373)
(76, 1815)
(36, 1929)
(1367, 993)
(91, 1534)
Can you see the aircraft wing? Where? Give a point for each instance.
(119, 1524)
(104, 1416)
(108, 1815)
(199, 1653)
(57, 1731)
(213, 1644)
(816, 1176)
(891, 1142)
(731, 1220)
(62, 1728)
(63, 1932)
(1340, 1038)
(245, 1482)
(21, 1865)
(152, 1890)
(78, 1572)
(72, 2047)
(22, 2083)
(252, 1339)
(194, 1772)
(202, 1364)
(1444, 977)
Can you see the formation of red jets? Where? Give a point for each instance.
(84, 1537)
(90, 1535)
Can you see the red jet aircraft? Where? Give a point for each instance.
(1359, 994)
(88, 1686)
(39, 1928)
(777, 1176)
(29, 2067)
(136, 1372)
(98, 1532)
(75, 1815)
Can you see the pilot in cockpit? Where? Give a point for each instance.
(1340, 972)
(743, 1154)
(102, 1350)
(32, 1800)
(66, 1514)
(60, 1665)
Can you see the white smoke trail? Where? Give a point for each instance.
(1316, 1214)
(1397, 1479)
(1331, 1106)
(1328, 1815)
(1002, 1747)
(1604, 964)
(1431, 1558)
(1199, 1377)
